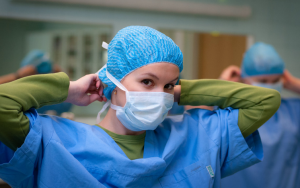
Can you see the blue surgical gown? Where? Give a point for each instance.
(58, 108)
(191, 150)
(280, 137)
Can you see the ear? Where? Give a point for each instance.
(118, 97)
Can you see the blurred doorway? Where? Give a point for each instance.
(218, 51)
(206, 55)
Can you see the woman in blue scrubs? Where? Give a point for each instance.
(135, 145)
(280, 135)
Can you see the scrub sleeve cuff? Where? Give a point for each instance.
(26, 156)
(246, 151)
(185, 98)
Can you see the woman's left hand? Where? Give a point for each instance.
(86, 90)
(177, 92)
(290, 82)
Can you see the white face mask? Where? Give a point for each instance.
(142, 110)
(277, 86)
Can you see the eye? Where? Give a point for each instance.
(147, 82)
(264, 81)
(276, 80)
(169, 86)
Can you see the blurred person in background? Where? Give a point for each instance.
(37, 62)
(280, 135)
(136, 144)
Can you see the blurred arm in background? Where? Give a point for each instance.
(22, 72)
(35, 62)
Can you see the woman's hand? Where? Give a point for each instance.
(177, 92)
(86, 90)
(290, 82)
(231, 73)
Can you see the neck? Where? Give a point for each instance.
(112, 123)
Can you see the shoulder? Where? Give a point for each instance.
(58, 129)
(290, 100)
(201, 120)
(189, 117)
(290, 103)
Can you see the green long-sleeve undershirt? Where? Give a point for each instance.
(256, 105)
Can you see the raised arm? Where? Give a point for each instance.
(22, 72)
(36, 91)
(19, 96)
(256, 105)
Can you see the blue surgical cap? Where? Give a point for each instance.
(38, 59)
(134, 47)
(261, 59)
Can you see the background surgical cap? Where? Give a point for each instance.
(134, 47)
(261, 59)
(38, 59)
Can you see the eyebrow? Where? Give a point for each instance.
(153, 75)
(175, 79)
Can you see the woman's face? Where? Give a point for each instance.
(155, 77)
(265, 79)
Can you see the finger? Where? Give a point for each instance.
(98, 82)
(100, 91)
(235, 70)
(83, 101)
(94, 97)
(287, 76)
(235, 75)
(94, 84)
(105, 99)
(287, 73)
(93, 78)
(238, 71)
(93, 92)
(93, 88)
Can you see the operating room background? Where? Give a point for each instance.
(25, 25)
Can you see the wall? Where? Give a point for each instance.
(273, 21)
(13, 43)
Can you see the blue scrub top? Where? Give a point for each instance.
(58, 108)
(281, 143)
(195, 149)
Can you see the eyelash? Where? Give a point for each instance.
(170, 85)
(147, 80)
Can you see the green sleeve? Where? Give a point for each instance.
(256, 104)
(19, 96)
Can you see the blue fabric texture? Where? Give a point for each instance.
(195, 149)
(37, 58)
(134, 47)
(280, 137)
(176, 109)
(261, 59)
(58, 108)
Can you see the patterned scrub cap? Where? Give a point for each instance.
(134, 47)
(261, 59)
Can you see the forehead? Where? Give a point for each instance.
(161, 67)
(267, 77)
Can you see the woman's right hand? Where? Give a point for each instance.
(86, 90)
(290, 82)
(231, 73)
